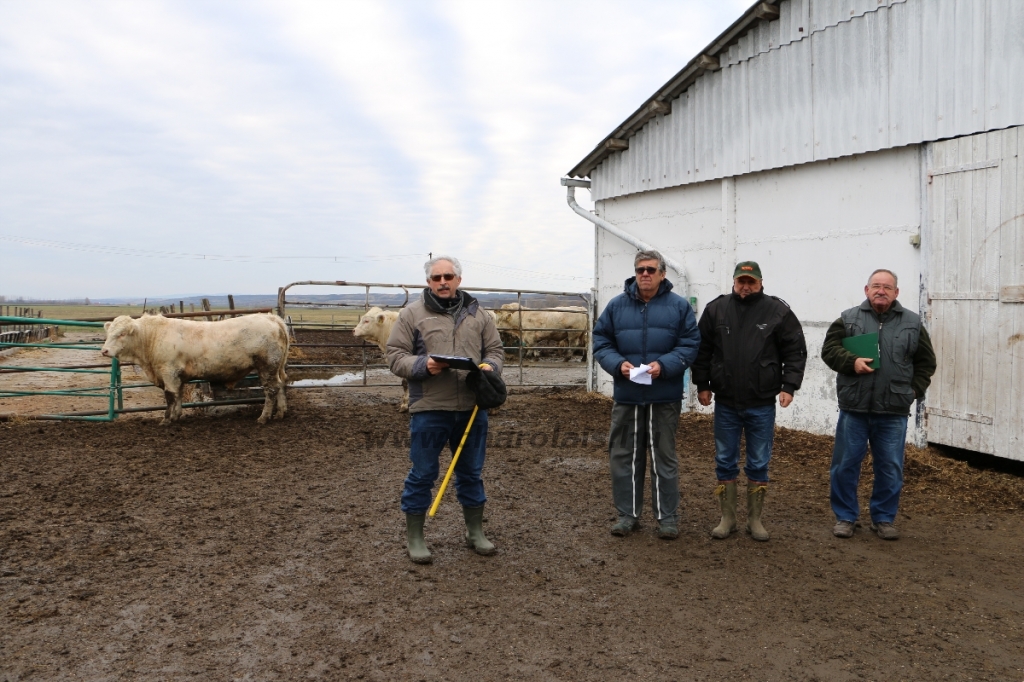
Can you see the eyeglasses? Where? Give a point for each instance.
(448, 276)
(648, 270)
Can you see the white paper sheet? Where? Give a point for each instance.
(639, 375)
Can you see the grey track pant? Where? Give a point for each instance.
(637, 430)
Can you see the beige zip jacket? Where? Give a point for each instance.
(421, 331)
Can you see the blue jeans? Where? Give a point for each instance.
(429, 432)
(887, 434)
(759, 424)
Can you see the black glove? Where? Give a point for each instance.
(488, 388)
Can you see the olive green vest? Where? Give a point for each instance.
(886, 390)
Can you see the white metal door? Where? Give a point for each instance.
(974, 250)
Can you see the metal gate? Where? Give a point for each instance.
(974, 289)
(526, 374)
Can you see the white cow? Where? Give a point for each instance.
(172, 352)
(375, 326)
(565, 326)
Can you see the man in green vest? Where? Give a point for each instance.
(874, 404)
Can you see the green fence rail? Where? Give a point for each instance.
(112, 391)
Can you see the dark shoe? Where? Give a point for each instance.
(843, 529)
(726, 494)
(667, 530)
(418, 551)
(885, 530)
(475, 538)
(624, 526)
(755, 505)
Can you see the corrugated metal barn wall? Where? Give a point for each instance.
(831, 78)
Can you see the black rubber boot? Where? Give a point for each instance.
(418, 551)
(475, 538)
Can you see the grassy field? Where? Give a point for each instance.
(342, 317)
(80, 312)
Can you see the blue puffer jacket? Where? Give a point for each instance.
(663, 329)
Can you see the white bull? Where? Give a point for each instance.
(172, 352)
(564, 326)
(375, 326)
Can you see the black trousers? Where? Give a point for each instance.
(636, 431)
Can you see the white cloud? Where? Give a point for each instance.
(314, 128)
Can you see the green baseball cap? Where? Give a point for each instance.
(747, 268)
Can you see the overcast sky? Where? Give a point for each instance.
(152, 148)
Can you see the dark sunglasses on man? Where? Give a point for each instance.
(448, 276)
(640, 271)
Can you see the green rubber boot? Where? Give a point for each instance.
(418, 551)
(755, 503)
(475, 538)
(726, 494)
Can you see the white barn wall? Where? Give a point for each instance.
(817, 230)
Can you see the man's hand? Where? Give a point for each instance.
(704, 398)
(626, 366)
(655, 370)
(487, 368)
(435, 367)
(863, 366)
(785, 399)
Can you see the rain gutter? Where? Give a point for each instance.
(571, 184)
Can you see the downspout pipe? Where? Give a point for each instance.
(571, 184)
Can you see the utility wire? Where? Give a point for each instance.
(150, 253)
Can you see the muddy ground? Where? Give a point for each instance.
(215, 549)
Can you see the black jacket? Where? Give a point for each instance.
(750, 349)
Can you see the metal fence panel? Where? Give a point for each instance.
(520, 351)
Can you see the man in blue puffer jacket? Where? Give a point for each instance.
(646, 325)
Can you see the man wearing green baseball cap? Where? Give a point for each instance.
(752, 349)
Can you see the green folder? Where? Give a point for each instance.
(864, 346)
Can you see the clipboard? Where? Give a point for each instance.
(458, 362)
(864, 346)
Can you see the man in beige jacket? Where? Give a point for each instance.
(445, 321)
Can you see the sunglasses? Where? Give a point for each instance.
(448, 276)
(648, 270)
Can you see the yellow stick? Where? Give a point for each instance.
(451, 467)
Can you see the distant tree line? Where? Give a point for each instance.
(44, 301)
